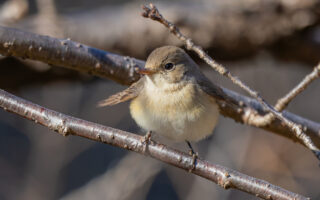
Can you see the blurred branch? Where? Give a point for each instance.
(48, 22)
(227, 29)
(72, 55)
(64, 124)
(47, 8)
(121, 182)
(153, 13)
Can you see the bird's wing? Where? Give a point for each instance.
(210, 88)
(214, 90)
(125, 95)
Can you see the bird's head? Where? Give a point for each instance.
(168, 64)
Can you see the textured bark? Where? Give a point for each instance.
(72, 55)
(64, 52)
(65, 125)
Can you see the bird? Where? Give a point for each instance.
(173, 97)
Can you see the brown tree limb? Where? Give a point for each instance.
(72, 55)
(65, 125)
(153, 13)
(64, 52)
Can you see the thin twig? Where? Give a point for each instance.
(283, 102)
(255, 119)
(65, 125)
(76, 56)
(153, 13)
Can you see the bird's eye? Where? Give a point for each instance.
(168, 66)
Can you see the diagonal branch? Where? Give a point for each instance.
(282, 103)
(65, 125)
(76, 56)
(153, 13)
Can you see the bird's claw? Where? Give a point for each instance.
(194, 157)
(147, 138)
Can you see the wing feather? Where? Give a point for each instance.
(210, 88)
(214, 90)
(125, 95)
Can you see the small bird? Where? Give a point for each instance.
(173, 98)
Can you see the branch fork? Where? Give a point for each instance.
(153, 13)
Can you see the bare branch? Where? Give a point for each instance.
(154, 14)
(254, 119)
(65, 125)
(72, 55)
(64, 52)
(283, 102)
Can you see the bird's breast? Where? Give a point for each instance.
(178, 111)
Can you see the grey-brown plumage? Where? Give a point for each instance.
(125, 95)
(174, 98)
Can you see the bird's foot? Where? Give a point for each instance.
(146, 140)
(194, 157)
(147, 137)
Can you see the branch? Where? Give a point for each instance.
(72, 55)
(283, 102)
(65, 125)
(209, 22)
(153, 13)
(258, 120)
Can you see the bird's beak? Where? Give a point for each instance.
(145, 71)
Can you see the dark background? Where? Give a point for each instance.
(270, 45)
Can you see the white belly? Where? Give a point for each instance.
(184, 114)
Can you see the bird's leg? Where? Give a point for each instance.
(194, 156)
(146, 140)
(147, 137)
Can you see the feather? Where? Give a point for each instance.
(214, 90)
(125, 95)
(210, 88)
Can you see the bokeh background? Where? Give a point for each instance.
(270, 44)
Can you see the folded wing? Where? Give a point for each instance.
(125, 95)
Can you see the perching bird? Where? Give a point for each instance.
(173, 98)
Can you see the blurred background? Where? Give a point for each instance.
(270, 44)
